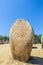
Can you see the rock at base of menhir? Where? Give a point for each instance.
(21, 40)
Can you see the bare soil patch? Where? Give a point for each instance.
(36, 57)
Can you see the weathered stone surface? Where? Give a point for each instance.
(21, 40)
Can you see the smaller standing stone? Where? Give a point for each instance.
(42, 41)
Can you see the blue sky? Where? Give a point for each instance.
(31, 10)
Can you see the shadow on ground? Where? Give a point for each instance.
(36, 60)
(34, 47)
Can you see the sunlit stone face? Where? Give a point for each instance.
(42, 38)
(21, 40)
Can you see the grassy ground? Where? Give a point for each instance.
(36, 54)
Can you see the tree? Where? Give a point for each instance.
(37, 38)
(6, 38)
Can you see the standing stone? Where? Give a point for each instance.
(21, 40)
(42, 41)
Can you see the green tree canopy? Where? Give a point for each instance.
(37, 38)
(6, 38)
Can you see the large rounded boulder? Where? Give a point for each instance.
(21, 40)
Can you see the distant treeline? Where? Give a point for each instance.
(5, 38)
(37, 38)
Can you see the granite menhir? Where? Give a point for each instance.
(21, 39)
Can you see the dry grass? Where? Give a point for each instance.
(5, 53)
(37, 51)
